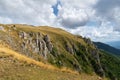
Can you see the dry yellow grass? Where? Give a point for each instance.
(53, 32)
(57, 31)
(23, 58)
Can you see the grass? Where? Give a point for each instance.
(111, 65)
(15, 66)
(14, 71)
(30, 61)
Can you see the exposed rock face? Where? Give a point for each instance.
(23, 35)
(88, 41)
(48, 43)
(95, 57)
(36, 43)
(98, 67)
(69, 49)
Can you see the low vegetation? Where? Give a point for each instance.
(15, 66)
(111, 65)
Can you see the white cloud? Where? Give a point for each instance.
(72, 18)
(107, 14)
(103, 33)
(40, 12)
(37, 12)
(78, 3)
(109, 10)
(74, 13)
(5, 20)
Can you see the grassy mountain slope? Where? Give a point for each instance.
(62, 53)
(110, 59)
(111, 65)
(107, 48)
(56, 47)
(14, 66)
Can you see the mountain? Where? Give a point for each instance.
(107, 48)
(115, 44)
(33, 48)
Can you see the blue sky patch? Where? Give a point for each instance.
(55, 7)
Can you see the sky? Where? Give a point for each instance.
(96, 19)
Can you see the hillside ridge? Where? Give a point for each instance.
(56, 47)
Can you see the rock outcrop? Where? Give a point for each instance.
(95, 56)
(36, 43)
(97, 64)
(48, 42)
(69, 48)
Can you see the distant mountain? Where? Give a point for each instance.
(115, 44)
(107, 48)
